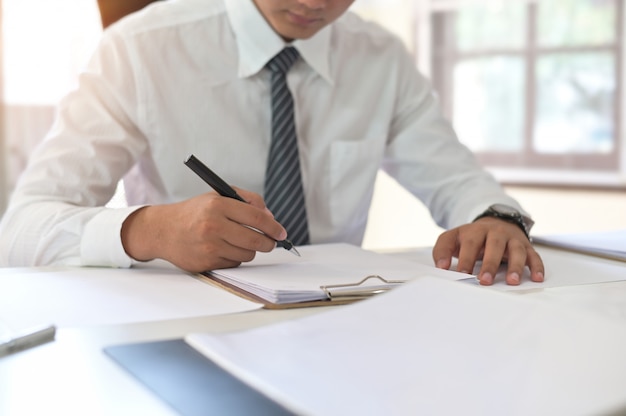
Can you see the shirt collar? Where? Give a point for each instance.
(258, 43)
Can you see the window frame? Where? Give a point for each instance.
(438, 57)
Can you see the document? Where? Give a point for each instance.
(87, 296)
(562, 268)
(279, 277)
(433, 347)
(608, 244)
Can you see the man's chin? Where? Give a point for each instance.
(291, 33)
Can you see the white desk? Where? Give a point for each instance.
(72, 376)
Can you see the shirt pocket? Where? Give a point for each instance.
(352, 172)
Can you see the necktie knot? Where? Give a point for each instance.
(283, 60)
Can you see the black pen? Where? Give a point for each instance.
(226, 190)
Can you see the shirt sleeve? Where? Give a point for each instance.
(425, 156)
(57, 213)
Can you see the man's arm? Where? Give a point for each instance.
(426, 157)
(57, 212)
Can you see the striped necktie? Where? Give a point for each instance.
(284, 195)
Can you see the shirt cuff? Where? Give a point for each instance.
(101, 244)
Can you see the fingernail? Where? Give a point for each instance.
(442, 264)
(514, 278)
(539, 276)
(486, 279)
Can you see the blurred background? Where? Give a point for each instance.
(534, 87)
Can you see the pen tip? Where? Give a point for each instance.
(288, 245)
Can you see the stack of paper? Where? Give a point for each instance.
(608, 244)
(279, 277)
(433, 347)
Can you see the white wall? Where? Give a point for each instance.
(573, 210)
(398, 220)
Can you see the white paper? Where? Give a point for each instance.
(70, 297)
(433, 347)
(562, 268)
(281, 277)
(611, 244)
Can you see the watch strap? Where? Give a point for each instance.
(519, 219)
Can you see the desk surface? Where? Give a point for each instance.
(72, 376)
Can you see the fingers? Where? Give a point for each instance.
(470, 250)
(522, 255)
(460, 243)
(252, 198)
(246, 237)
(536, 266)
(493, 241)
(516, 261)
(445, 248)
(259, 220)
(495, 248)
(203, 233)
(507, 243)
(245, 229)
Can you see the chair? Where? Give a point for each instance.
(113, 10)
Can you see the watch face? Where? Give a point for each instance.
(505, 210)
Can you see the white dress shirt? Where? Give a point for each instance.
(188, 76)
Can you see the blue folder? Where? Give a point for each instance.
(189, 382)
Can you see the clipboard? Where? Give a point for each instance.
(325, 275)
(338, 294)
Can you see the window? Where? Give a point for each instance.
(43, 46)
(534, 86)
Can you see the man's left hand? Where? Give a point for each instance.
(494, 241)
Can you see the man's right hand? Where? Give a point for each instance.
(202, 233)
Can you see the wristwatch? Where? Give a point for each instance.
(509, 214)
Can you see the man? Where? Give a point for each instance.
(189, 76)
